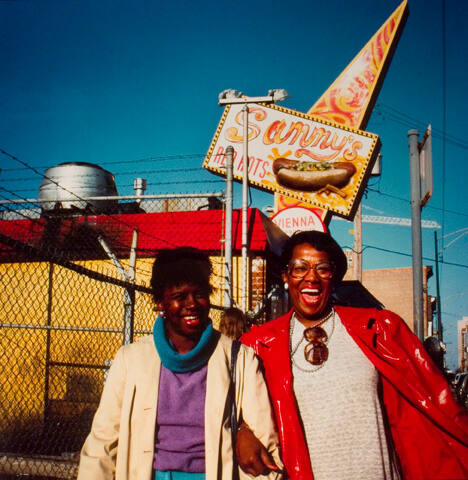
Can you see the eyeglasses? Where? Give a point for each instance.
(299, 268)
(316, 351)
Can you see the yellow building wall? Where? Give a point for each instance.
(74, 303)
(23, 296)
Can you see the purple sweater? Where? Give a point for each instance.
(180, 421)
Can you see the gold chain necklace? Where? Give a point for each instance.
(292, 351)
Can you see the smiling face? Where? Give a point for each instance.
(186, 308)
(310, 295)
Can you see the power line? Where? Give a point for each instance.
(409, 255)
(408, 121)
(405, 200)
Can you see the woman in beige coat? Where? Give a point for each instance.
(164, 410)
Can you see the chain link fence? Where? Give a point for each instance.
(75, 288)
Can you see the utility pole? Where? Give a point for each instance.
(415, 181)
(420, 156)
(440, 333)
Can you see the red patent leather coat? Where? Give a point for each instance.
(429, 429)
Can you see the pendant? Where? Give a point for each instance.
(316, 354)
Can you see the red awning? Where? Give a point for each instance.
(76, 236)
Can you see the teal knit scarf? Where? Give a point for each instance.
(187, 362)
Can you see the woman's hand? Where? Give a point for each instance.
(252, 456)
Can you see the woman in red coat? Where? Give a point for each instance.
(354, 392)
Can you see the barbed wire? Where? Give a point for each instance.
(161, 158)
(119, 221)
(78, 197)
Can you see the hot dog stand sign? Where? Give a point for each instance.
(313, 160)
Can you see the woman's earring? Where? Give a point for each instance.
(286, 286)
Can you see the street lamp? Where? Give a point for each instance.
(231, 97)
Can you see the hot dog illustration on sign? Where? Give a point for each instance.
(312, 176)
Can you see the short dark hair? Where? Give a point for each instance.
(180, 265)
(323, 242)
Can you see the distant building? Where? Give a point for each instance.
(393, 287)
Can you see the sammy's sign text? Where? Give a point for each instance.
(297, 155)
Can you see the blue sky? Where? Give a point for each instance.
(117, 82)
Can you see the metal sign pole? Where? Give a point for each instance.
(245, 187)
(357, 254)
(231, 97)
(228, 228)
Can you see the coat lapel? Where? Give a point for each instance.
(217, 386)
(146, 402)
(275, 354)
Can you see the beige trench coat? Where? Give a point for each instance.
(121, 443)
